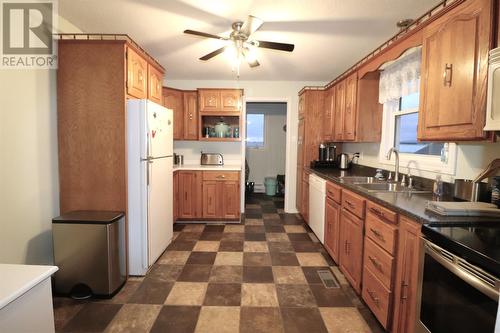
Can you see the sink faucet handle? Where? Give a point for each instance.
(389, 176)
(403, 180)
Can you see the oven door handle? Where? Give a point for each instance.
(468, 277)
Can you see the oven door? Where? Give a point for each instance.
(454, 295)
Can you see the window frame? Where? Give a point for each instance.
(249, 146)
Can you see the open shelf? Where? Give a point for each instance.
(209, 120)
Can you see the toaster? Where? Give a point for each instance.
(212, 159)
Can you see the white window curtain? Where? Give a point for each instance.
(400, 77)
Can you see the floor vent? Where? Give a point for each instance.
(328, 279)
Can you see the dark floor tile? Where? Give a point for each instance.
(250, 211)
(65, 309)
(279, 204)
(93, 317)
(273, 222)
(299, 237)
(306, 246)
(254, 229)
(151, 292)
(258, 274)
(295, 295)
(291, 219)
(223, 294)
(311, 274)
(284, 259)
(188, 236)
(328, 259)
(280, 247)
(226, 274)
(273, 228)
(178, 226)
(179, 245)
(253, 216)
(215, 236)
(164, 273)
(201, 258)
(256, 259)
(269, 209)
(176, 319)
(255, 237)
(370, 319)
(300, 320)
(231, 246)
(233, 236)
(195, 273)
(329, 297)
(214, 228)
(260, 320)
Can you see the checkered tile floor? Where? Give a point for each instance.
(260, 276)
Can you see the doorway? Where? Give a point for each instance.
(265, 150)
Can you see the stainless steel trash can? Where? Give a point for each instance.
(89, 249)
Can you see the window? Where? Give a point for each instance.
(255, 130)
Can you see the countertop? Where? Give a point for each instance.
(15, 280)
(410, 205)
(198, 167)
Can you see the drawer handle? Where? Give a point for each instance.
(404, 289)
(331, 193)
(346, 248)
(350, 204)
(377, 211)
(377, 234)
(447, 75)
(375, 263)
(373, 297)
(221, 176)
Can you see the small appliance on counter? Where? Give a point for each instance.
(345, 162)
(211, 159)
(327, 156)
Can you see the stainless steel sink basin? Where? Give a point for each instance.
(389, 187)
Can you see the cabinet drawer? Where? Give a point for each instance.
(333, 192)
(379, 262)
(221, 175)
(382, 212)
(377, 297)
(353, 203)
(382, 233)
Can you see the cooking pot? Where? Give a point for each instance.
(221, 129)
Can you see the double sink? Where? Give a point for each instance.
(373, 185)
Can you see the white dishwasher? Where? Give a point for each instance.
(317, 194)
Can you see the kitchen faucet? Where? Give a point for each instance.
(396, 171)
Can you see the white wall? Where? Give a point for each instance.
(472, 158)
(29, 187)
(192, 149)
(270, 160)
(265, 91)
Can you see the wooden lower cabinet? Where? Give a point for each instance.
(231, 200)
(332, 228)
(405, 297)
(210, 195)
(176, 196)
(305, 200)
(351, 248)
(221, 195)
(190, 194)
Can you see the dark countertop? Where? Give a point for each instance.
(410, 205)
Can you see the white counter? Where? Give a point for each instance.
(198, 167)
(25, 292)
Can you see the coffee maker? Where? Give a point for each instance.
(331, 152)
(326, 156)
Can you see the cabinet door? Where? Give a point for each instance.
(210, 198)
(190, 115)
(454, 71)
(230, 100)
(173, 99)
(209, 100)
(190, 188)
(329, 115)
(339, 110)
(351, 248)
(176, 196)
(332, 228)
(155, 79)
(405, 300)
(349, 117)
(230, 199)
(137, 73)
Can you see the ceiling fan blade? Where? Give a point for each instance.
(251, 25)
(276, 46)
(213, 54)
(203, 34)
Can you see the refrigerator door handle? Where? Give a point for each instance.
(148, 162)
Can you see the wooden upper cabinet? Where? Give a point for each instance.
(137, 74)
(302, 102)
(219, 100)
(349, 118)
(173, 99)
(340, 89)
(329, 115)
(190, 115)
(454, 73)
(155, 79)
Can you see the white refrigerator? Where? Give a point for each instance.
(150, 183)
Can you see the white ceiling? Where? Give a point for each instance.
(329, 35)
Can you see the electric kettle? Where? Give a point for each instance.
(343, 161)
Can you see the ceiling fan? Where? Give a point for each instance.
(240, 43)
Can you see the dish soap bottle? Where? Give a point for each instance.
(437, 188)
